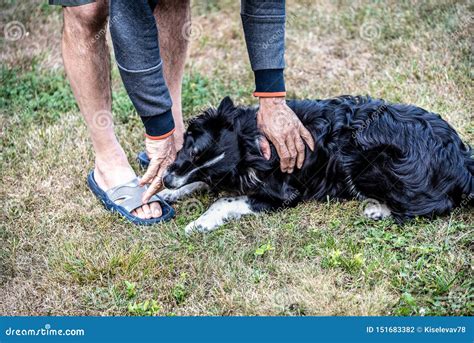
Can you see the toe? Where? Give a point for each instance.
(140, 213)
(155, 209)
(146, 211)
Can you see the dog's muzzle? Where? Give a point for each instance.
(172, 181)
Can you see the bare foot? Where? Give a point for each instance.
(116, 171)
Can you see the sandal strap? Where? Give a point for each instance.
(129, 195)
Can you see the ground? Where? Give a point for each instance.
(61, 253)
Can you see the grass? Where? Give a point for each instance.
(62, 254)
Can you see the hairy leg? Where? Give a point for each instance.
(171, 16)
(87, 63)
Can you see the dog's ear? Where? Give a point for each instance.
(226, 106)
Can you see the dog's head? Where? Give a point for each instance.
(210, 150)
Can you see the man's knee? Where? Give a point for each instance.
(86, 21)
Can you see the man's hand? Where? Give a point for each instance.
(161, 153)
(284, 129)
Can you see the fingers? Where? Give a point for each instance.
(155, 185)
(284, 154)
(300, 152)
(265, 148)
(151, 171)
(292, 153)
(308, 138)
(290, 144)
(153, 188)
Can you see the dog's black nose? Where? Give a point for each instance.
(168, 181)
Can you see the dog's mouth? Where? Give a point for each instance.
(173, 181)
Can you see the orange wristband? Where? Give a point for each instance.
(157, 138)
(269, 94)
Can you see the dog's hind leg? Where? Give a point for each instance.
(173, 195)
(219, 213)
(376, 210)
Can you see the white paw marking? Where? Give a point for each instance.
(376, 211)
(220, 212)
(202, 225)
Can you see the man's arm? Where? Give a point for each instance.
(264, 29)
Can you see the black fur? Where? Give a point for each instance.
(401, 155)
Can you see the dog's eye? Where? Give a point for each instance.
(194, 152)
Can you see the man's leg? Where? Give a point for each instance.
(171, 16)
(87, 63)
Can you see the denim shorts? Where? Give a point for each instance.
(70, 2)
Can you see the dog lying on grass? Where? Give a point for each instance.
(409, 160)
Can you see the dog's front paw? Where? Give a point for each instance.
(201, 225)
(192, 227)
(195, 226)
(169, 195)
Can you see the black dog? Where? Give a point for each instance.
(408, 160)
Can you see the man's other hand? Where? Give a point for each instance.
(283, 128)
